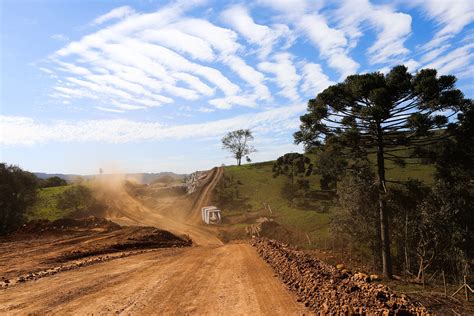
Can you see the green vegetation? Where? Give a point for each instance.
(17, 193)
(52, 182)
(46, 205)
(378, 113)
(253, 185)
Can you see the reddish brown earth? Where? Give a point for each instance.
(81, 272)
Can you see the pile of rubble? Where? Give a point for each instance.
(268, 228)
(329, 291)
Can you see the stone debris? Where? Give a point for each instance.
(328, 290)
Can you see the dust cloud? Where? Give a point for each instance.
(128, 202)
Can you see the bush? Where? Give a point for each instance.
(77, 199)
(17, 193)
(358, 217)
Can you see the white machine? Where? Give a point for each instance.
(211, 215)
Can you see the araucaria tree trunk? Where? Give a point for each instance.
(383, 217)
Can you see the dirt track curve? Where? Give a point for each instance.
(210, 278)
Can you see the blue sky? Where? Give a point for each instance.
(148, 86)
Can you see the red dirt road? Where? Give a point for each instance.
(211, 278)
(229, 279)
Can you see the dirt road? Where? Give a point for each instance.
(229, 279)
(211, 278)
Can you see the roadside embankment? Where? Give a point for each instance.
(325, 289)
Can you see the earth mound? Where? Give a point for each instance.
(328, 291)
(66, 224)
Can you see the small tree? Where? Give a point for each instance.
(17, 193)
(384, 115)
(292, 165)
(237, 142)
(77, 198)
(357, 218)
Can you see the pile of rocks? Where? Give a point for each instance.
(330, 291)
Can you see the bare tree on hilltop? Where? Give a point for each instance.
(237, 142)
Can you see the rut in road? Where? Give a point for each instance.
(211, 278)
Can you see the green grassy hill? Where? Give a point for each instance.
(254, 186)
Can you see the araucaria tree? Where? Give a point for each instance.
(292, 165)
(385, 115)
(237, 142)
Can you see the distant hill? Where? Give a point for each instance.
(144, 178)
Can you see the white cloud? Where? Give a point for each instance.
(181, 42)
(263, 36)
(250, 75)
(205, 110)
(314, 80)
(140, 60)
(150, 59)
(46, 70)
(26, 131)
(222, 39)
(432, 54)
(452, 17)
(195, 83)
(285, 73)
(60, 37)
(228, 102)
(105, 109)
(124, 106)
(117, 13)
(73, 69)
(392, 28)
(292, 8)
(456, 61)
(331, 42)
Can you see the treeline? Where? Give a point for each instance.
(359, 129)
(51, 182)
(19, 192)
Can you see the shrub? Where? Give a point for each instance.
(17, 193)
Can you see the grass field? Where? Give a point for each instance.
(256, 186)
(46, 206)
